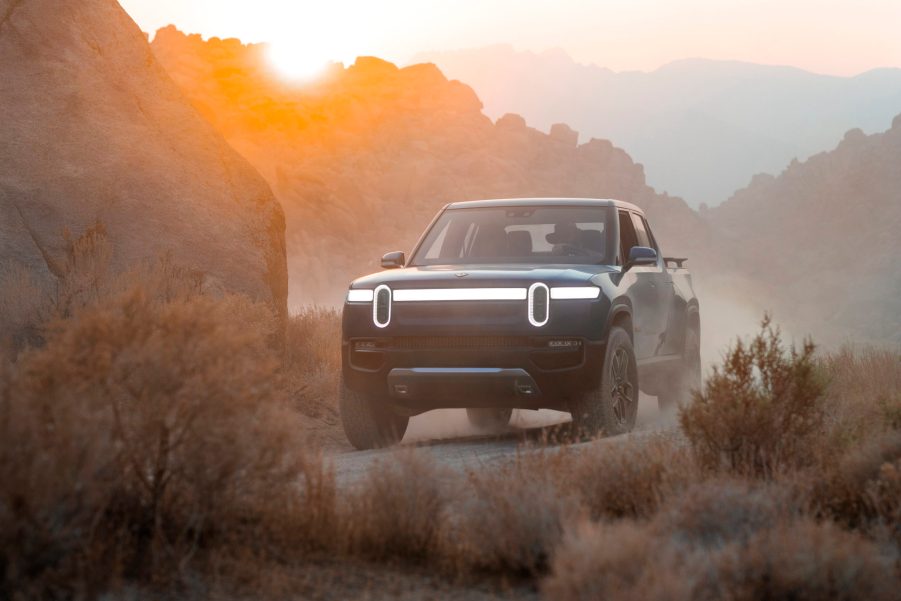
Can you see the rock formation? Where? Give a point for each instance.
(823, 237)
(93, 129)
(362, 159)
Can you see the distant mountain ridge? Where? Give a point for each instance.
(363, 159)
(824, 236)
(701, 128)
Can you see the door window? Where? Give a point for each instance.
(640, 231)
(627, 237)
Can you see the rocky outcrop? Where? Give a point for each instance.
(362, 159)
(93, 129)
(823, 236)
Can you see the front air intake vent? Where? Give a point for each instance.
(381, 306)
(539, 304)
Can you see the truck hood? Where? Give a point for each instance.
(477, 276)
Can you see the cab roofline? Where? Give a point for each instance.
(544, 202)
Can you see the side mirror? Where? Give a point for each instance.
(394, 260)
(640, 255)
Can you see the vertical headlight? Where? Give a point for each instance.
(539, 304)
(381, 306)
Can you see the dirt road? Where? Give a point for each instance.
(446, 437)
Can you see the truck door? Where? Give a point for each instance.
(661, 283)
(645, 286)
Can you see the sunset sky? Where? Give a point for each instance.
(826, 36)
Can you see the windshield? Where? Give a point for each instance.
(567, 235)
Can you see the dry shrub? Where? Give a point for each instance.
(808, 561)
(137, 435)
(796, 561)
(396, 511)
(628, 479)
(864, 488)
(508, 519)
(863, 396)
(761, 411)
(313, 360)
(718, 512)
(624, 560)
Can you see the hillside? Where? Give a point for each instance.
(93, 129)
(362, 159)
(823, 237)
(701, 128)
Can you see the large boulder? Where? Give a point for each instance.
(93, 129)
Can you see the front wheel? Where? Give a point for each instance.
(610, 408)
(368, 420)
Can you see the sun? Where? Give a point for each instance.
(297, 61)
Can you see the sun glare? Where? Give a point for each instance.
(297, 62)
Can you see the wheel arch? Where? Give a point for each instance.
(621, 315)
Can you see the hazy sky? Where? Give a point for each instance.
(827, 36)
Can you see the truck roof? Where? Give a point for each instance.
(544, 202)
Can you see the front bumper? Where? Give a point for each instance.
(422, 373)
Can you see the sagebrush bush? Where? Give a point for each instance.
(623, 561)
(794, 560)
(809, 561)
(717, 512)
(863, 489)
(135, 435)
(761, 411)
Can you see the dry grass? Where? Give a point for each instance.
(312, 361)
(398, 510)
(508, 520)
(629, 480)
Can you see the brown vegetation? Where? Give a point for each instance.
(760, 411)
(154, 437)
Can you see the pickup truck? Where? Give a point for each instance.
(564, 304)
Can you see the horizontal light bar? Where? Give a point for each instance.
(459, 294)
(359, 296)
(572, 292)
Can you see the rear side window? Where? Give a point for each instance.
(627, 236)
(640, 231)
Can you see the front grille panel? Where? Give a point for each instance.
(460, 342)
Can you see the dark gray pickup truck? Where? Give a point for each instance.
(565, 304)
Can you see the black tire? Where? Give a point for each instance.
(489, 418)
(687, 377)
(610, 408)
(369, 421)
